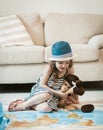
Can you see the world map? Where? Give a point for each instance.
(56, 119)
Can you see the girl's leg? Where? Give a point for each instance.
(36, 99)
(43, 107)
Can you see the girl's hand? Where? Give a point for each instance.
(60, 94)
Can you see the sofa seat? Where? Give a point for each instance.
(82, 52)
(22, 55)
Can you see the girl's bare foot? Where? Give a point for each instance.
(14, 106)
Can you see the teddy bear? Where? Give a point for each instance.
(72, 101)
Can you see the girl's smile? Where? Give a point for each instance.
(62, 65)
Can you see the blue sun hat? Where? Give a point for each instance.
(3, 120)
(61, 51)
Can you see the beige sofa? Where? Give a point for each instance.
(24, 63)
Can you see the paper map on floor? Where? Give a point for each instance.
(62, 119)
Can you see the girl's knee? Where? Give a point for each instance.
(44, 107)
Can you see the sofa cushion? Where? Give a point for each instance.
(82, 52)
(13, 32)
(34, 26)
(22, 55)
(74, 28)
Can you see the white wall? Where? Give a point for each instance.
(44, 6)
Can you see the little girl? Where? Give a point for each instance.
(45, 93)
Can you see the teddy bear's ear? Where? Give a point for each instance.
(79, 83)
(68, 79)
(75, 77)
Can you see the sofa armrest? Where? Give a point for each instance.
(101, 55)
(96, 41)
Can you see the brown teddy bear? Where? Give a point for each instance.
(72, 102)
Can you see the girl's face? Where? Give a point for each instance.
(62, 66)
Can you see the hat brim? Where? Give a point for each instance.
(61, 59)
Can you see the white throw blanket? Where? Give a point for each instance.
(13, 32)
